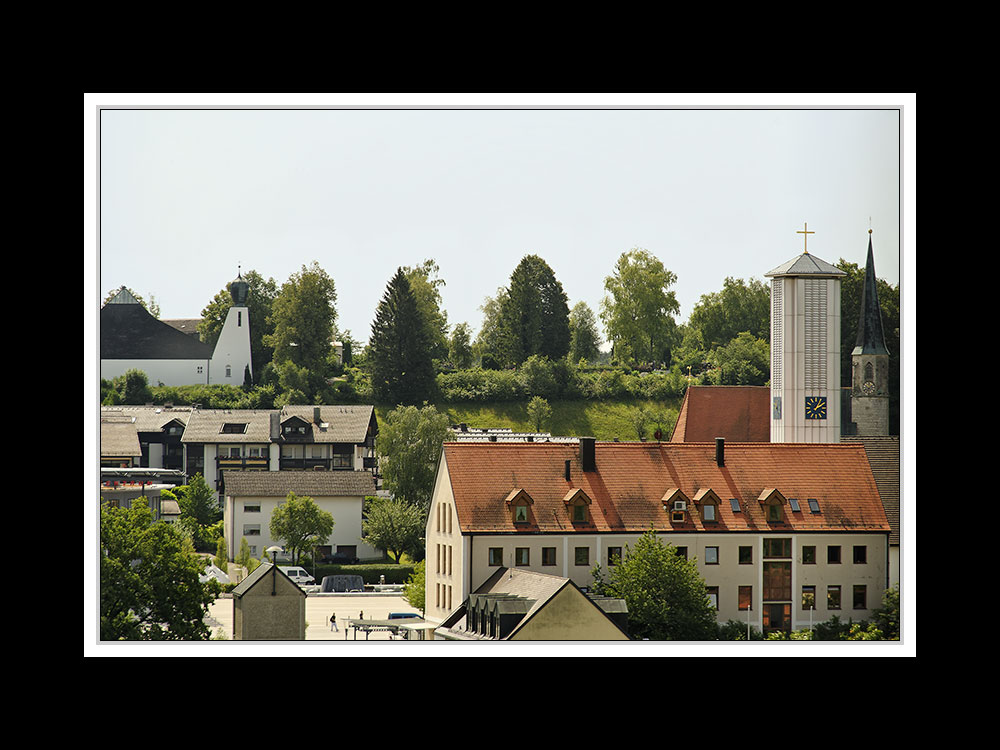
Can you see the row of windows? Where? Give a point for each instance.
(444, 559)
(442, 596)
(522, 556)
(859, 597)
(773, 548)
(444, 516)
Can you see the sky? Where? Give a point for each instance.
(192, 190)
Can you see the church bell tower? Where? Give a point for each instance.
(805, 349)
(231, 359)
(870, 361)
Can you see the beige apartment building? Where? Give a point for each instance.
(784, 535)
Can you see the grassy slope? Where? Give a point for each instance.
(604, 420)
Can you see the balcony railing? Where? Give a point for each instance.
(245, 462)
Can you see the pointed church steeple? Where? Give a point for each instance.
(871, 338)
(870, 361)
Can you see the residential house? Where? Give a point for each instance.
(252, 496)
(776, 529)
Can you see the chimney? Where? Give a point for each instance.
(316, 419)
(463, 427)
(567, 469)
(588, 453)
(720, 451)
(275, 425)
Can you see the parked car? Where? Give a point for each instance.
(403, 615)
(297, 574)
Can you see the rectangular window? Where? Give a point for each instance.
(579, 513)
(251, 508)
(777, 580)
(520, 513)
(496, 556)
(746, 555)
(809, 555)
(860, 554)
(833, 554)
(746, 597)
(581, 555)
(614, 555)
(860, 596)
(251, 529)
(808, 597)
(708, 512)
(778, 548)
(711, 555)
(833, 597)
(548, 555)
(520, 555)
(682, 552)
(713, 596)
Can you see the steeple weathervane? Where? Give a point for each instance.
(805, 239)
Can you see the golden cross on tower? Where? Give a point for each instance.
(805, 240)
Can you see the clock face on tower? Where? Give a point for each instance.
(815, 407)
(868, 388)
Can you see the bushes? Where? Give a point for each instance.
(558, 379)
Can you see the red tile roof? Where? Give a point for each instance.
(738, 413)
(627, 490)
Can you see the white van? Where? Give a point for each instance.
(296, 573)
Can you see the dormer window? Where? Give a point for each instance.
(772, 503)
(519, 504)
(708, 505)
(675, 503)
(234, 428)
(578, 505)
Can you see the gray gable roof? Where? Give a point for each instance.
(258, 575)
(335, 424)
(119, 438)
(806, 265)
(207, 425)
(310, 483)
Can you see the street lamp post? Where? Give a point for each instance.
(274, 550)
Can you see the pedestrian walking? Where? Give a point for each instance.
(333, 623)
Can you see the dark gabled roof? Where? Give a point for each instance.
(871, 338)
(128, 331)
(254, 578)
(337, 423)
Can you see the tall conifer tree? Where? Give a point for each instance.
(399, 351)
(534, 315)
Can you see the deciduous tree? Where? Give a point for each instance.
(300, 524)
(409, 447)
(665, 594)
(639, 307)
(534, 315)
(393, 525)
(150, 588)
(584, 338)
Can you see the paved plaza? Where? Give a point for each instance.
(319, 607)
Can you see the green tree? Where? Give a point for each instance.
(392, 525)
(534, 315)
(426, 290)
(539, 412)
(489, 344)
(460, 346)
(243, 557)
(739, 306)
(664, 592)
(300, 524)
(409, 447)
(399, 352)
(745, 360)
(259, 304)
(414, 591)
(221, 558)
(150, 588)
(132, 387)
(638, 308)
(585, 341)
(304, 317)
